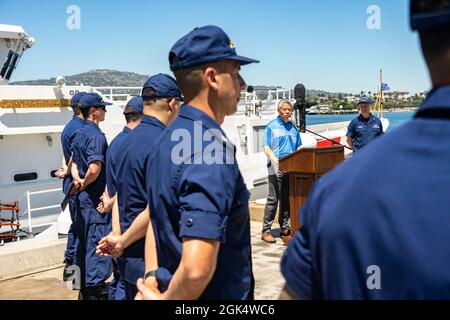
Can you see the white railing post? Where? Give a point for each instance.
(30, 229)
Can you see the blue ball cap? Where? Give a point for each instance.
(204, 45)
(365, 99)
(74, 102)
(137, 103)
(163, 85)
(92, 100)
(426, 15)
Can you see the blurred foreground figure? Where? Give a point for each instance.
(377, 227)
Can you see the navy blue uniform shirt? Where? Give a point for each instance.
(363, 131)
(131, 190)
(384, 212)
(90, 145)
(113, 152)
(132, 168)
(199, 200)
(67, 137)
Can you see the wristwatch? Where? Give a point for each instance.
(150, 274)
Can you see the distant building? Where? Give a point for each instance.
(397, 96)
(351, 98)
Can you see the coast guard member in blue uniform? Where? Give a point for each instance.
(133, 116)
(89, 152)
(67, 136)
(197, 197)
(161, 105)
(391, 243)
(365, 128)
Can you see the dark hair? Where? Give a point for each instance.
(85, 112)
(130, 115)
(424, 6)
(435, 42)
(76, 110)
(149, 91)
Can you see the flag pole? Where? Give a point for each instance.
(377, 103)
(381, 93)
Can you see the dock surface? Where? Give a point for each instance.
(48, 285)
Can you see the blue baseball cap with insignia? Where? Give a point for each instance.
(426, 14)
(204, 45)
(365, 99)
(74, 102)
(137, 103)
(92, 100)
(163, 86)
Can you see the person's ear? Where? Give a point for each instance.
(171, 104)
(174, 105)
(210, 75)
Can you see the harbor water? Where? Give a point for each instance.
(396, 119)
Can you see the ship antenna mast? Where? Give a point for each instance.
(379, 102)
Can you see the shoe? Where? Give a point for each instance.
(94, 293)
(81, 294)
(267, 237)
(67, 272)
(285, 232)
(286, 239)
(286, 236)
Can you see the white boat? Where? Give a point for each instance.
(33, 117)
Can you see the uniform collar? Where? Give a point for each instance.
(90, 123)
(439, 97)
(361, 118)
(77, 118)
(126, 129)
(152, 120)
(194, 114)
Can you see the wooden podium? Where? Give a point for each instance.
(305, 167)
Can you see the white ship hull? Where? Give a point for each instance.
(30, 139)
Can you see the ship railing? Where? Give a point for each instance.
(30, 210)
(119, 93)
(280, 94)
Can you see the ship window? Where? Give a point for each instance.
(258, 136)
(25, 176)
(53, 173)
(7, 63)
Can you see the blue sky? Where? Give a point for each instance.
(324, 44)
